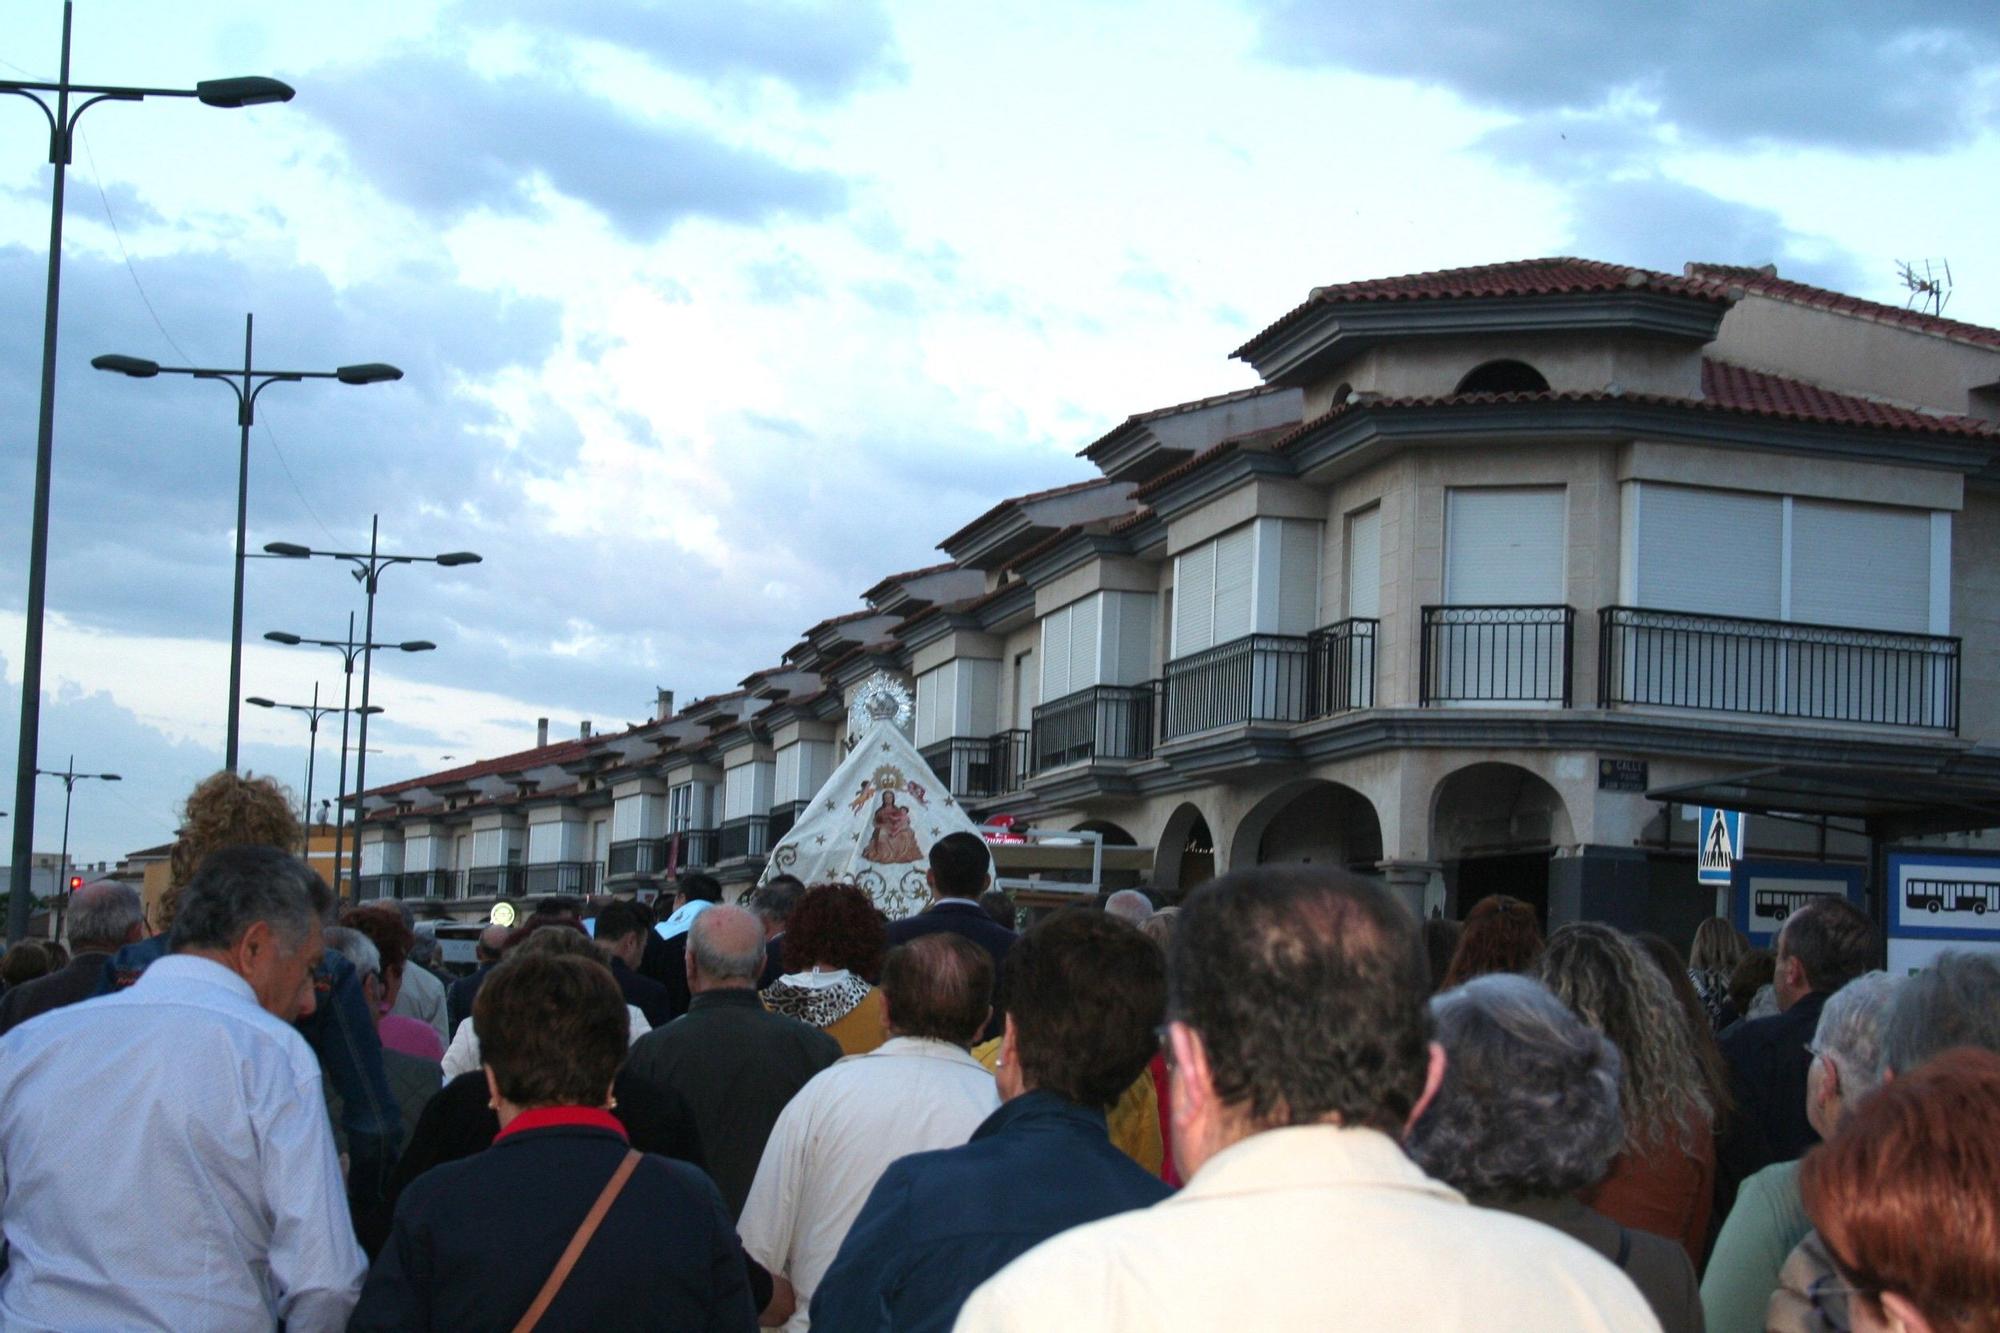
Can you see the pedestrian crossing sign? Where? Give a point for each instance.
(1719, 845)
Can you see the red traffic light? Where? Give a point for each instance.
(75, 883)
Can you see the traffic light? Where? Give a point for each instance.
(75, 883)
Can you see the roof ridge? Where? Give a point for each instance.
(1766, 281)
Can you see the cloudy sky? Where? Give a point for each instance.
(713, 314)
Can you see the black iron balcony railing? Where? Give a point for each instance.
(1257, 678)
(974, 767)
(426, 884)
(690, 849)
(491, 882)
(746, 835)
(624, 856)
(560, 877)
(782, 819)
(1102, 722)
(1729, 664)
(381, 886)
(1495, 655)
(1343, 667)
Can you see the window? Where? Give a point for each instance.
(1025, 696)
(1364, 564)
(1261, 578)
(746, 789)
(1503, 377)
(1492, 642)
(960, 698)
(1102, 639)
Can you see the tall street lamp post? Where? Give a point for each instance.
(314, 711)
(62, 129)
(70, 777)
(368, 568)
(246, 384)
(348, 650)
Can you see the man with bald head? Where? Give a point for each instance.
(459, 998)
(735, 1063)
(104, 917)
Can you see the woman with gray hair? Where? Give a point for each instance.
(1528, 1115)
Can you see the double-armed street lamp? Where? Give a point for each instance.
(348, 650)
(70, 777)
(246, 384)
(314, 711)
(368, 568)
(62, 120)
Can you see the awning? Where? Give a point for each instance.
(1891, 803)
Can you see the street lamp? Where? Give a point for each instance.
(252, 382)
(348, 650)
(314, 712)
(368, 568)
(70, 777)
(62, 121)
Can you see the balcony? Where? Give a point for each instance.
(1102, 722)
(576, 878)
(1495, 656)
(747, 835)
(490, 882)
(782, 819)
(975, 767)
(1770, 668)
(685, 850)
(1271, 678)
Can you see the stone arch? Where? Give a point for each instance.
(1184, 858)
(1311, 820)
(1494, 828)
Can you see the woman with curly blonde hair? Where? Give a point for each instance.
(1661, 1179)
(227, 810)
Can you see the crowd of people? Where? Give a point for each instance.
(1281, 1102)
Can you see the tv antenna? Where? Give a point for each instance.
(1930, 289)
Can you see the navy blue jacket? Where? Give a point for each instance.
(341, 1031)
(460, 994)
(474, 1240)
(940, 1223)
(649, 997)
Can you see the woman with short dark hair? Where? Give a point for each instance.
(595, 1235)
(1527, 1116)
(832, 951)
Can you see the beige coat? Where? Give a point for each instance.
(1310, 1228)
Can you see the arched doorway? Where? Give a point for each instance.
(1185, 857)
(1310, 822)
(1495, 827)
(1120, 876)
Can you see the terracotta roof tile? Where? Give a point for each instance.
(1192, 465)
(1559, 276)
(561, 752)
(1784, 289)
(1193, 405)
(1725, 388)
(1133, 519)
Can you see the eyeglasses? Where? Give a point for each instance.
(1832, 1307)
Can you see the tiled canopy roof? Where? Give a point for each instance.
(1032, 496)
(1784, 289)
(1561, 276)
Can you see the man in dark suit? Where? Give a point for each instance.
(961, 870)
(622, 928)
(458, 997)
(104, 917)
(1826, 944)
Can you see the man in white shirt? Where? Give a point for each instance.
(1300, 1055)
(917, 1091)
(165, 1155)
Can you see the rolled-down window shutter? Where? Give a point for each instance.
(1194, 600)
(1055, 655)
(1235, 562)
(1866, 566)
(1085, 621)
(1364, 564)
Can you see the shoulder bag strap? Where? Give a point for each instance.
(1624, 1247)
(612, 1189)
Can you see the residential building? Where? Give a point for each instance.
(1486, 557)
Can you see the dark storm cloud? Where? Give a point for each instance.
(1877, 77)
(823, 49)
(438, 137)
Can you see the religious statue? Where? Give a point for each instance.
(895, 842)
